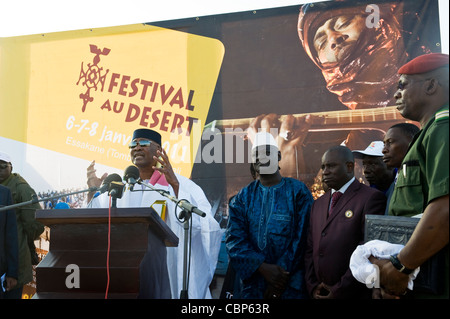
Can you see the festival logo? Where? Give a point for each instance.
(93, 76)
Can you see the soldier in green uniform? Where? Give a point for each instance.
(423, 178)
(28, 228)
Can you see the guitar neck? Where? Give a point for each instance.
(329, 120)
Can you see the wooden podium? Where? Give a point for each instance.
(79, 240)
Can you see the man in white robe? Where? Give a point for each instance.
(206, 233)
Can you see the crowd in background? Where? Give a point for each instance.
(72, 201)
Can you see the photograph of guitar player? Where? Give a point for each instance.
(359, 62)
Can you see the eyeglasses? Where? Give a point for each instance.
(3, 166)
(142, 143)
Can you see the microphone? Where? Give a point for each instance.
(108, 180)
(184, 204)
(116, 189)
(131, 175)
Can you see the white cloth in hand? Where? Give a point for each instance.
(366, 272)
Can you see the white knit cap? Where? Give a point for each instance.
(264, 138)
(5, 157)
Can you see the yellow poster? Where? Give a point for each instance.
(83, 93)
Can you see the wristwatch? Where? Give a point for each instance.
(399, 266)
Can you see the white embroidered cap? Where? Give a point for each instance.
(264, 138)
(5, 157)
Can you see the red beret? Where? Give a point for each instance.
(424, 63)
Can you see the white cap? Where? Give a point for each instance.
(5, 157)
(264, 138)
(374, 149)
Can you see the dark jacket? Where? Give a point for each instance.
(9, 251)
(332, 240)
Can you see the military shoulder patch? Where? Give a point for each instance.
(441, 115)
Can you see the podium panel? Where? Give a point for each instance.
(76, 264)
(398, 230)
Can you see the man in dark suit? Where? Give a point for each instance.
(337, 228)
(9, 249)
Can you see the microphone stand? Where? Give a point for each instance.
(35, 199)
(187, 210)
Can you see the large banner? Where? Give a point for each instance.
(84, 93)
(315, 75)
